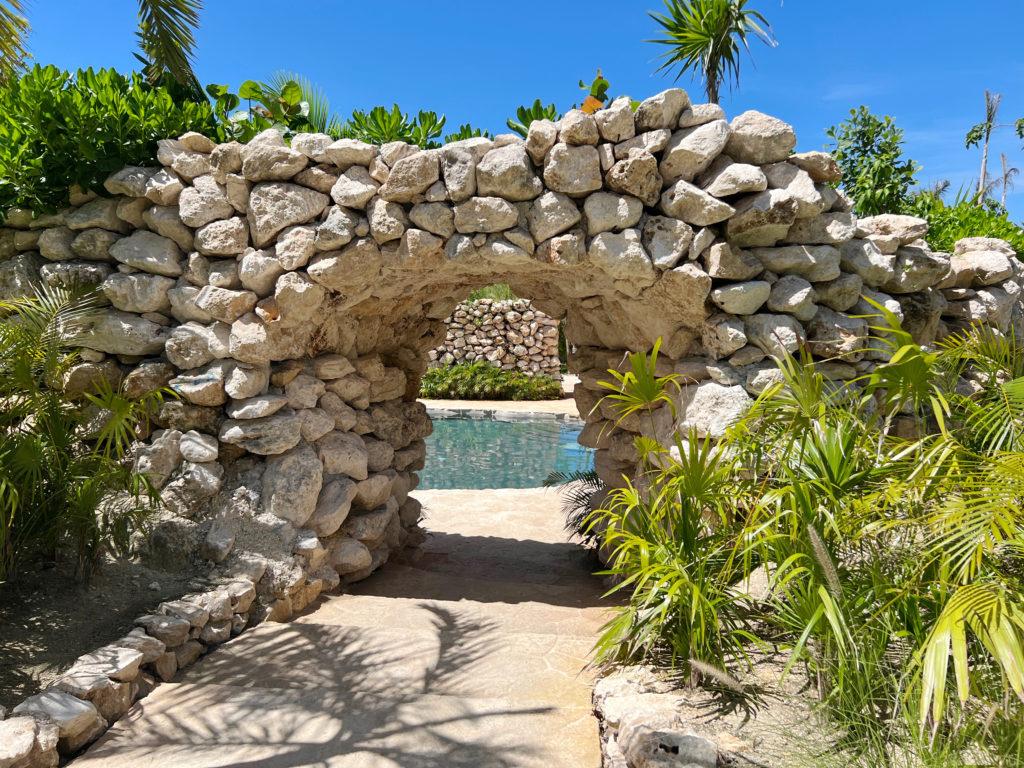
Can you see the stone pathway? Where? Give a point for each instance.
(476, 657)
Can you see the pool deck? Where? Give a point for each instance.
(504, 410)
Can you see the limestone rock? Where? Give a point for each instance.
(343, 453)
(258, 271)
(101, 213)
(411, 176)
(606, 212)
(122, 333)
(864, 259)
(821, 166)
(776, 335)
(978, 269)
(165, 220)
(795, 296)
(666, 240)
(622, 256)
(19, 276)
(637, 175)
(757, 139)
(203, 202)
(291, 484)
(725, 177)
(906, 228)
(726, 262)
(741, 298)
(271, 162)
(485, 214)
(661, 110)
(828, 228)
(691, 150)
(840, 294)
(274, 206)
(138, 292)
(226, 237)
(224, 304)
(816, 263)
(799, 185)
(264, 436)
(551, 214)
(149, 252)
(332, 506)
(575, 171)
(387, 220)
(710, 408)
(684, 201)
(915, 269)
(78, 722)
(722, 335)
(507, 172)
(615, 122)
(256, 407)
(437, 218)
(348, 152)
(831, 334)
(55, 244)
(349, 555)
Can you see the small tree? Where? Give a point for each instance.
(869, 150)
(704, 36)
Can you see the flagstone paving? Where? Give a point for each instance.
(476, 656)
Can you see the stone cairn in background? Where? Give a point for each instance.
(508, 334)
(291, 295)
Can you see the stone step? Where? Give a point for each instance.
(457, 657)
(216, 726)
(361, 610)
(397, 580)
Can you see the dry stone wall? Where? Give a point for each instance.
(508, 334)
(291, 295)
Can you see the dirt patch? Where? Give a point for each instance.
(47, 620)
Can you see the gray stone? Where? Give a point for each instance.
(762, 219)
(795, 296)
(348, 152)
(821, 166)
(349, 555)
(343, 453)
(828, 228)
(122, 333)
(507, 172)
(661, 110)
(666, 240)
(55, 244)
(150, 253)
(195, 446)
(799, 185)
(101, 213)
(291, 484)
(722, 335)
(226, 237)
(332, 506)
(622, 256)
(606, 212)
(577, 128)
(411, 176)
(138, 292)
(840, 294)
(710, 408)
(258, 271)
(224, 304)
(437, 218)
(915, 269)
(387, 220)
(863, 258)
(615, 122)
(691, 150)
(264, 436)
(816, 263)
(725, 177)
(575, 171)
(757, 139)
(551, 214)
(485, 214)
(698, 114)
(274, 206)
(203, 202)
(832, 334)
(684, 201)
(906, 228)
(92, 244)
(257, 407)
(741, 298)
(776, 335)
(165, 220)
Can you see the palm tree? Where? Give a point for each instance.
(165, 37)
(705, 36)
(1007, 179)
(982, 133)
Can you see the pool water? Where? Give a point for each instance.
(477, 453)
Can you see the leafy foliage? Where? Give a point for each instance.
(578, 490)
(869, 150)
(966, 216)
(63, 481)
(496, 292)
(483, 381)
(526, 115)
(705, 36)
(59, 129)
(14, 29)
(893, 563)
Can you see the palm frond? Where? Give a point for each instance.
(320, 116)
(167, 39)
(14, 29)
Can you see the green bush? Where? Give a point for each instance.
(964, 217)
(483, 381)
(893, 562)
(64, 480)
(497, 292)
(59, 129)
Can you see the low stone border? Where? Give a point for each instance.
(101, 686)
(497, 414)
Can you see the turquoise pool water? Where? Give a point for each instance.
(476, 453)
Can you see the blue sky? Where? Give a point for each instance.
(925, 63)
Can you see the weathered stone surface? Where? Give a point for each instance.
(551, 214)
(820, 165)
(577, 127)
(575, 171)
(91, 244)
(725, 177)
(691, 150)
(249, 340)
(710, 408)
(776, 335)
(741, 298)
(276, 205)
(387, 220)
(347, 152)
(799, 185)
(291, 484)
(203, 202)
(437, 218)
(349, 555)
(224, 304)
(906, 228)
(226, 237)
(351, 268)
(726, 262)
(55, 243)
(698, 114)
(666, 240)
(661, 110)
(165, 220)
(121, 333)
(78, 722)
(101, 213)
(831, 334)
(256, 407)
(71, 274)
(978, 269)
(795, 296)
(130, 180)
(606, 212)
(840, 294)
(343, 453)
(622, 256)
(816, 263)
(485, 214)
(332, 506)
(265, 436)
(270, 161)
(150, 253)
(615, 122)
(258, 271)
(508, 172)
(684, 201)
(722, 335)
(19, 276)
(205, 386)
(828, 228)
(864, 259)
(757, 139)
(915, 269)
(138, 292)
(411, 176)
(637, 175)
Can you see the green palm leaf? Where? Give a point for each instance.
(14, 29)
(166, 37)
(320, 117)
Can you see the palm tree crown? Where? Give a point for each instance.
(705, 36)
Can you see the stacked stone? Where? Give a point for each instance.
(508, 334)
(101, 686)
(291, 296)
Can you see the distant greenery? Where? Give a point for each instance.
(58, 129)
(869, 150)
(483, 381)
(60, 468)
(964, 217)
(497, 292)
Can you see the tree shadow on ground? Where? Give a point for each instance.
(283, 696)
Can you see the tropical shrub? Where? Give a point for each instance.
(496, 292)
(966, 216)
(578, 491)
(64, 481)
(59, 129)
(526, 115)
(483, 381)
(869, 150)
(893, 561)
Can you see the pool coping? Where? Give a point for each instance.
(498, 414)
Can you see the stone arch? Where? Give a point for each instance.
(290, 294)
